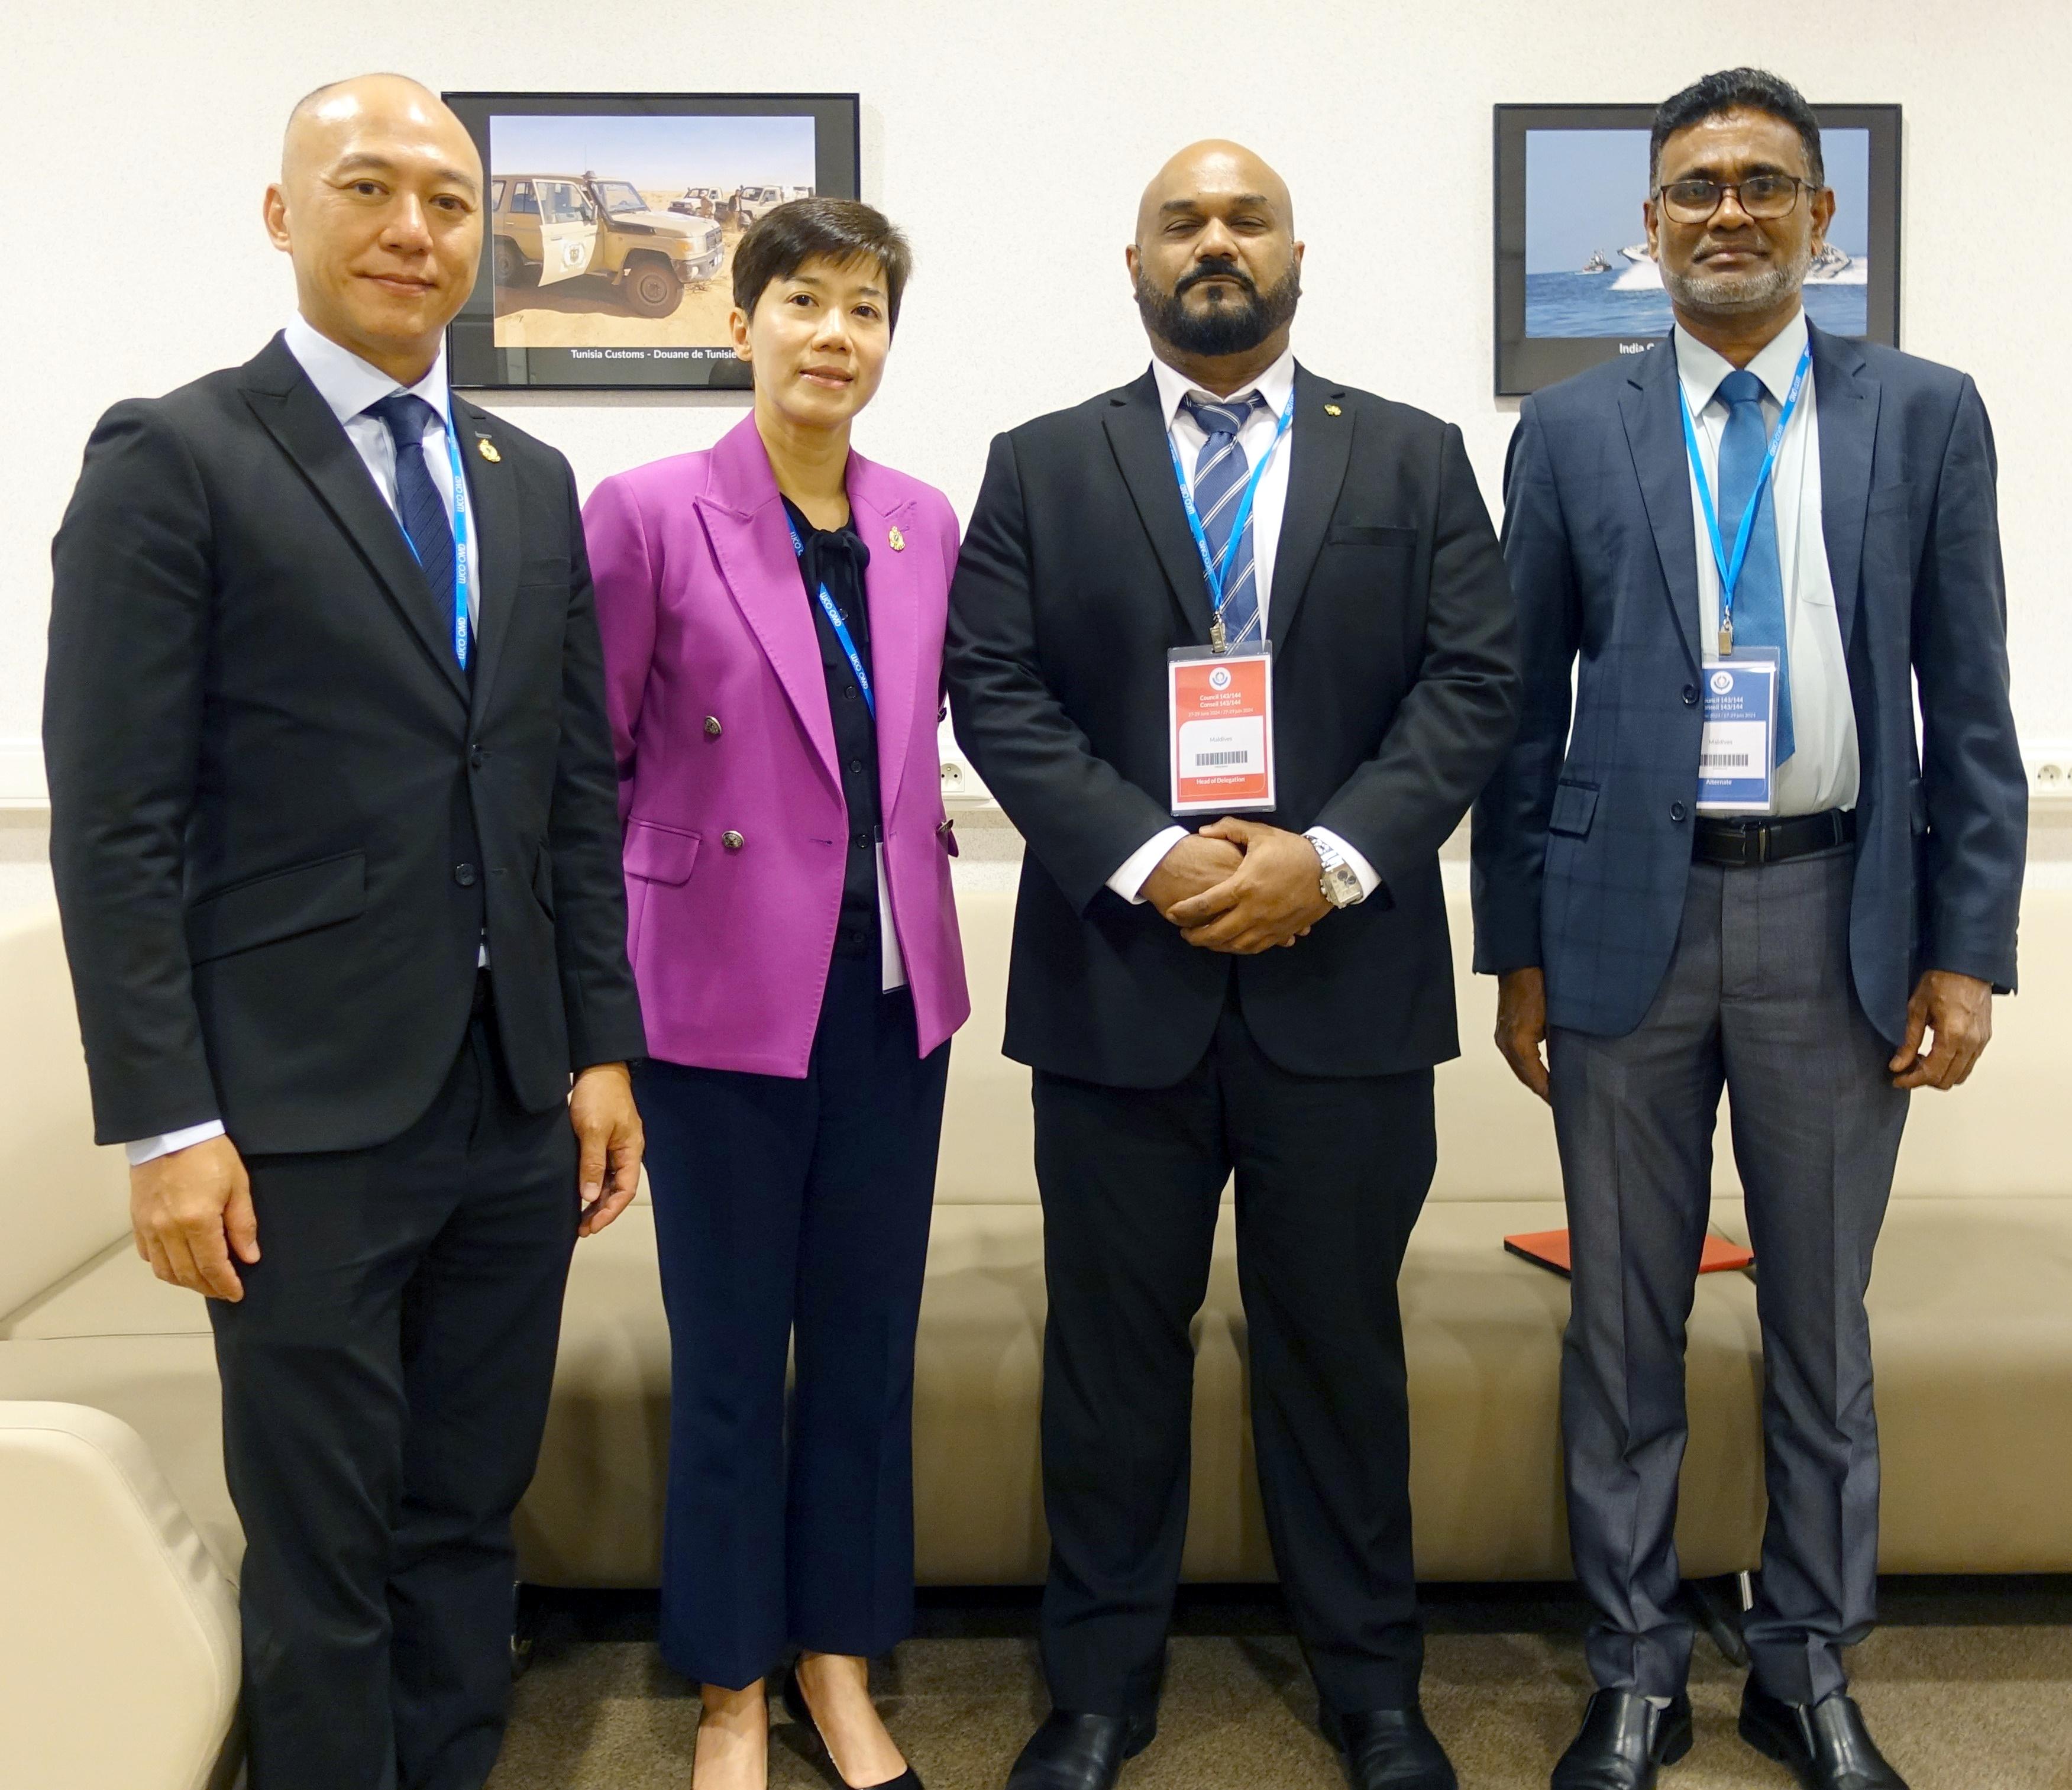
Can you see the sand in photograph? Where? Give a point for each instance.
(587, 312)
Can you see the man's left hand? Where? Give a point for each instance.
(1960, 1010)
(607, 1127)
(1275, 896)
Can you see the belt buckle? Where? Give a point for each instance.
(1759, 835)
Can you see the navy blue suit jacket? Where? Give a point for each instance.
(1582, 840)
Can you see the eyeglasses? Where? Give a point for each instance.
(1761, 195)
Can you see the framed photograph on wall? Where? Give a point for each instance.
(1575, 283)
(610, 225)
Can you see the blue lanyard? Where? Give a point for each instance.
(460, 544)
(838, 623)
(1730, 569)
(1216, 571)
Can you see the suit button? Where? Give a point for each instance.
(712, 727)
(474, 758)
(856, 767)
(1690, 695)
(464, 875)
(863, 842)
(1675, 811)
(732, 840)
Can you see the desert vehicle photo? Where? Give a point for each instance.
(549, 227)
(751, 203)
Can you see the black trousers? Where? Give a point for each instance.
(1331, 1175)
(793, 1220)
(384, 1387)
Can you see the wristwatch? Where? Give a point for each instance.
(1340, 882)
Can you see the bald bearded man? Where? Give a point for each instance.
(334, 824)
(1265, 993)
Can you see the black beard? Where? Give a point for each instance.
(1231, 327)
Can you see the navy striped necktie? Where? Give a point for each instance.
(1220, 471)
(423, 511)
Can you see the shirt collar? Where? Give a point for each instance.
(349, 383)
(1273, 386)
(1702, 368)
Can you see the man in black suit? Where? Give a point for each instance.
(335, 828)
(1172, 1041)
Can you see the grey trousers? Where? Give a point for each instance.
(1758, 999)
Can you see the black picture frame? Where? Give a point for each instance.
(1525, 363)
(473, 359)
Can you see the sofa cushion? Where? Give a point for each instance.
(62, 1201)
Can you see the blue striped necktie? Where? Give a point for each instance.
(422, 509)
(1220, 471)
(1759, 618)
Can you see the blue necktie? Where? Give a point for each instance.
(1220, 471)
(423, 510)
(1759, 596)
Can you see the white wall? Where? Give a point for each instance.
(1011, 143)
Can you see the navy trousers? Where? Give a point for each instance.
(792, 1218)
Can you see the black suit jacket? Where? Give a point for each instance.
(1395, 693)
(282, 818)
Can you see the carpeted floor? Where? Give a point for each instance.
(1967, 1686)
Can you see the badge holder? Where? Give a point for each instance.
(1221, 731)
(1737, 745)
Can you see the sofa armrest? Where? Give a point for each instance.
(119, 1658)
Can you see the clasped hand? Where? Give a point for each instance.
(1240, 887)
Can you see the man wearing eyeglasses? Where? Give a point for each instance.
(1724, 862)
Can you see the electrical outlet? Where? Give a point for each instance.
(953, 777)
(2050, 774)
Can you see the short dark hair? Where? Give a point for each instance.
(844, 231)
(1737, 90)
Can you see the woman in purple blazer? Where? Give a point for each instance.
(772, 612)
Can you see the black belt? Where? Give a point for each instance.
(483, 996)
(1744, 844)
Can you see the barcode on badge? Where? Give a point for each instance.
(1217, 761)
(1723, 761)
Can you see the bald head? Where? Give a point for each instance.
(1213, 169)
(1215, 264)
(387, 103)
(380, 206)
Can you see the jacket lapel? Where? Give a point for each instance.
(1136, 434)
(1846, 398)
(1320, 447)
(889, 591)
(744, 519)
(1649, 406)
(289, 407)
(493, 512)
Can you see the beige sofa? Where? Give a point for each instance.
(1971, 1311)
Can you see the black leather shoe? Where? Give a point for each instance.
(1389, 1750)
(1624, 1740)
(1825, 1744)
(796, 1706)
(1079, 1752)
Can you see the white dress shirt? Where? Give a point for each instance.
(1823, 770)
(349, 384)
(1269, 505)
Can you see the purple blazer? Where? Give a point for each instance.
(728, 785)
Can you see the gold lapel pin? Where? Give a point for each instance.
(899, 541)
(488, 449)
(1329, 411)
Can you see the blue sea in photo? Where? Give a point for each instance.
(1590, 304)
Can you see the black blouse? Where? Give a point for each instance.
(836, 557)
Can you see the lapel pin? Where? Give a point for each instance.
(1329, 411)
(488, 449)
(899, 541)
